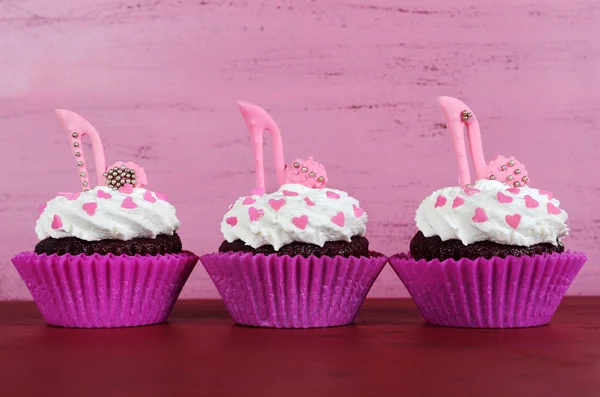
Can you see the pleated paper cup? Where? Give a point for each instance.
(104, 291)
(511, 292)
(292, 292)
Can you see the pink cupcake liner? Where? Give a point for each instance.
(104, 291)
(512, 292)
(292, 292)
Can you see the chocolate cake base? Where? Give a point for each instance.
(359, 246)
(429, 248)
(162, 244)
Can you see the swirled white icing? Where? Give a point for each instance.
(103, 213)
(294, 213)
(492, 211)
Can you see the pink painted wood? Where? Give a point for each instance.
(352, 82)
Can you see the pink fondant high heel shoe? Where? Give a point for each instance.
(507, 170)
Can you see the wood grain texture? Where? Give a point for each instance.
(351, 82)
(389, 351)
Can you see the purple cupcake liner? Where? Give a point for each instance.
(292, 292)
(104, 291)
(511, 292)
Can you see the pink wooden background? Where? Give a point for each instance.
(352, 82)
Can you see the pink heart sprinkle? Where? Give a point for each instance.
(546, 193)
(480, 216)
(161, 196)
(72, 196)
(43, 207)
(288, 193)
(149, 197)
(56, 222)
(552, 209)
(503, 198)
(300, 221)
(513, 220)
(128, 203)
(514, 190)
(102, 194)
(276, 204)
(333, 195)
(308, 202)
(255, 214)
(232, 220)
(90, 208)
(339, 219)
(248, 201)
(469, 191)
(458, 201)
(440, 202)
(357, 211)
(127, 189)
(259, 191)
(530, 202)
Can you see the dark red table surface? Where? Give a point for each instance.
(389, 351)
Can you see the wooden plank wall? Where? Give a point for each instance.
(351, 82)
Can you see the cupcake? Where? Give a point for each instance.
(108, 256)
(488, 254)
(297, 257)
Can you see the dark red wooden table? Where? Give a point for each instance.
(389, 351)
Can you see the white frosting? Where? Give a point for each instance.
(283, 226)
(109, 220)
(536, 225)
